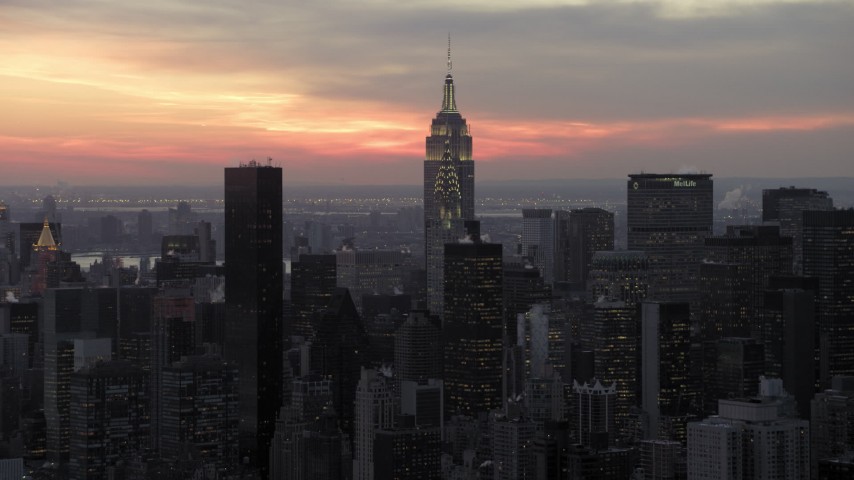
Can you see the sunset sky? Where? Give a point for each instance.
(342, 91)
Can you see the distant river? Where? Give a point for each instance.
(86, 259)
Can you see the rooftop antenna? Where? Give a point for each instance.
(449, 52)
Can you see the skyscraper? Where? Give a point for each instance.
(613, 337)
(408, 451)
(732, 370)
(669, 216)
(62, 320)
(619, 275)
(832, 421)
(762, 252)
(668, 393)
(473, 327)
(109, 417)
(374, 410)
(538, 233)
(592, 415)
(417, 349)
(253, 296)
(313, 282)
(786, 206)
(372, 272)
(339, 351)
(198, 407)
(448, 186)
(750, 438)
(788, 317)
(588, 230)
(523, 288)
(172, 336)
(829, 256)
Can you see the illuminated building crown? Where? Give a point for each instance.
(46, 241)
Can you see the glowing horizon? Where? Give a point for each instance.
(176, 91)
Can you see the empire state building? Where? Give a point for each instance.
(448, 186)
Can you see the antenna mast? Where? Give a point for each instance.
(449, 52)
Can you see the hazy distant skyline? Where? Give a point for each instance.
(170, 92)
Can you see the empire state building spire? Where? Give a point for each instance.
(449, 104)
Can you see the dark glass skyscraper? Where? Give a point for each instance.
(668, 393)
(669, 216)
(757, 252)
(786, 207)
(473, 327)
(829, 256)
(587, 231)
(313, 282)
(253, 296)
(448, 186)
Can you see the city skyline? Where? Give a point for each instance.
(169, 92)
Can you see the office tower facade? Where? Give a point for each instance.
(661, 460)
(772, 198)
(829, 256)
(786, 207)
(725, 299)
(313, 282)
(749, 439)
(253, 297)
(23, 318)
(448, 187)
(374, 410)
(538, 237)
(762, 252)
(523, 288)
(668, 217)
(172, 337)
(550, 448)
(788, 316)
(589, 230)
(374, 272)
(382, 314)
(309, 399)
(199, 409)
(613, 338)
(407, 451)
(12, 468)
(668, 393)
(425, 402)
(544, 399)
(14, 353)
(592, 415)
(473, 327)
(417, 349)
(622, 275)
(144, 227)
(733, 368)
(584, 462)
(90, 351)
(11, 398)
(327, 454)
(109, 417)
(832, 422)
(311, 395)
(512, 447)
(62, 320)
(287, 448)
(339, 351)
